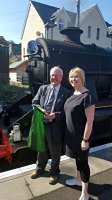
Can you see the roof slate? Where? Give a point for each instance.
(45, 11)
(16, 64)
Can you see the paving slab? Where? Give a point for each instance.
(15, 189)
(21, 187)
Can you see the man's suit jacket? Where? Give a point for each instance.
(58, 124)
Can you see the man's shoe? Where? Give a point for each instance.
(37, 173)
(84, 197)
(53, 180)
(73, 182)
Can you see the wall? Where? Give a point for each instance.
(94, 19)
(21, 69)
(33, 24)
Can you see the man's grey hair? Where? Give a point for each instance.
(57, 68)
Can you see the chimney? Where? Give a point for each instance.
(72, 34)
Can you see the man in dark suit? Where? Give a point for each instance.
(54, 121)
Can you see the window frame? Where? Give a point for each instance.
(97, 33)
(61, 24)
(89, 31)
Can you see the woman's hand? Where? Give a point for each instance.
(84, 145)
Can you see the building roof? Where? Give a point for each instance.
(3, 41)
(71, 15)
(110, 31)
(108, 24)
(45, 11)
(16, 64)
(86, 13)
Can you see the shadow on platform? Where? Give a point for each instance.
(100, 188)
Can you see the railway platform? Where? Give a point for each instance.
(17, 185)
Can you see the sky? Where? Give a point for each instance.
(12, 13)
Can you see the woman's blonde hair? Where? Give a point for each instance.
(78, 71)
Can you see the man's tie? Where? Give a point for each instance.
(48, 105)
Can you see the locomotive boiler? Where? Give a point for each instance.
(97, 63)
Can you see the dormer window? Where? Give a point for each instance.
(98, 33)
(89, 31)
(61, 24)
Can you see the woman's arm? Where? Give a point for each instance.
(89, 111)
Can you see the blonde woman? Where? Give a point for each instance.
(79, 110)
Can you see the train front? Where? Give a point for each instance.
(97, 63)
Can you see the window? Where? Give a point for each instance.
(89, 31)
(98, 34)
(61, 24)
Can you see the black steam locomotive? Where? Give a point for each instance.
(96, 61)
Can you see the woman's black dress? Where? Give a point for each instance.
(75, 120)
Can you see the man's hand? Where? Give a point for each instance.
(49, 116)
